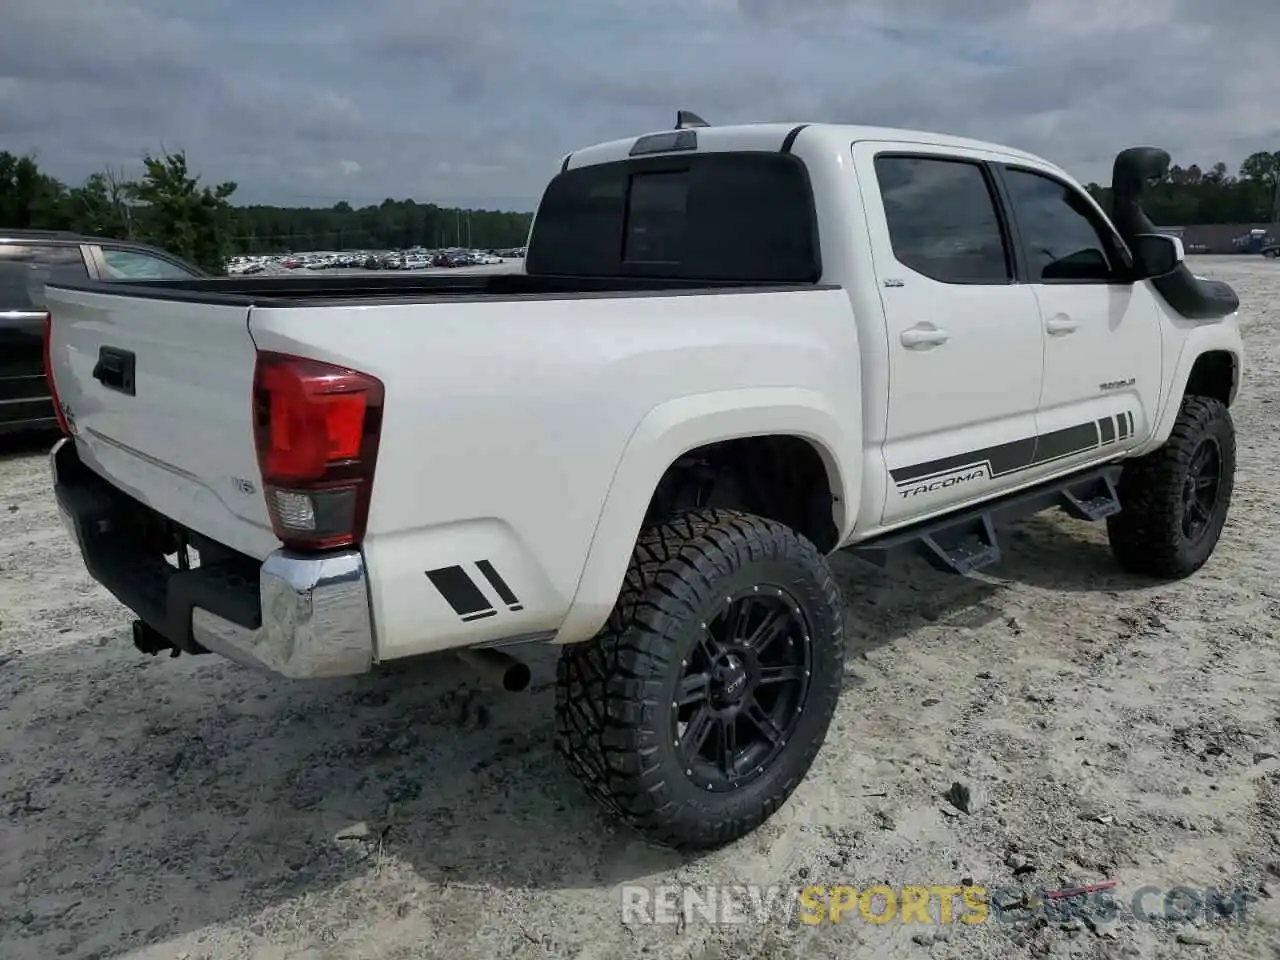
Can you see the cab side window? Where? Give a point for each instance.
(943, 220)
(134, 265)
(1060, 233)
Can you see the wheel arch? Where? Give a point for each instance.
(1211, 364)
(1216, 374)
(670, 433)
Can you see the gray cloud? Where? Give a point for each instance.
(475, 101)
(118, 44)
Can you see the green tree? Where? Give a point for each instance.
(169, 208)
(181, 216)
(101, 207)
(29, 198)
(1263, 169)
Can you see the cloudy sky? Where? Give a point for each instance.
(474, 102)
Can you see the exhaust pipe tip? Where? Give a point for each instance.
(500, 669)
(516, 677)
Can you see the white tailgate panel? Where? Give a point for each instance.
(183, 443)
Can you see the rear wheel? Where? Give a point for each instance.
(699, 708)
(1175, 499)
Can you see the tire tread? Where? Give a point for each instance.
(608, 687)
(1146, 534)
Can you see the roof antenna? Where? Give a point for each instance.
(686, 119)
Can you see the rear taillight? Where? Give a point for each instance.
(316, 428)
(48, 375)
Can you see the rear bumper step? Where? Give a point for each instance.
(305, 616)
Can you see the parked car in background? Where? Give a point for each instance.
(28, 259)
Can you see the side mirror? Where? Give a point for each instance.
(1155, 255)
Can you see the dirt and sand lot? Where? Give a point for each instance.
(1108, 728)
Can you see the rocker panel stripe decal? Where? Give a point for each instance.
(1006, 458)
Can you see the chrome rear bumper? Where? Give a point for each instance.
(315, 619)
(307, 615)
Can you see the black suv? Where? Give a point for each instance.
(28, 259)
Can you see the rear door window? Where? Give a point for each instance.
(943, 220)
(26, 268)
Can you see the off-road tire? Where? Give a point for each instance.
(615, 693)
(1147, 534)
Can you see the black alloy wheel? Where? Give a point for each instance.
(742, 691)
(1201, 490)
(698, 709)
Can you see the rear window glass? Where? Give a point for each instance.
(714, 216)
(655, 217)
(26, 268)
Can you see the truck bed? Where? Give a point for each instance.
(511, 402)
(313, 291)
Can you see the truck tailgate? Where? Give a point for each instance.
(158, 394)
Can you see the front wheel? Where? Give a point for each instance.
(701, 705)
(1174, 500)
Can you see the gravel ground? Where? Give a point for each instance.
(1108, 729)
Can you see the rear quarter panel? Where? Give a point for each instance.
(514, 429)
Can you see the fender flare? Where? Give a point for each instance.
(1209, 338)
(668, 432)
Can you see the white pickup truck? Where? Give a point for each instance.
(732, 351)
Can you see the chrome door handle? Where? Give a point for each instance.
(1061, 326)
(923, 336)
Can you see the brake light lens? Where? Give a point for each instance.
(316, 428)
(48, 375)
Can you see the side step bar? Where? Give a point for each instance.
(966, 541)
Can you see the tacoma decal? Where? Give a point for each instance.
(941, 484)
(1014, 456)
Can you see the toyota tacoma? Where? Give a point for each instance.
(731, 351)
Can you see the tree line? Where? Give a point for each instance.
(1193, 195)
(170, 208)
